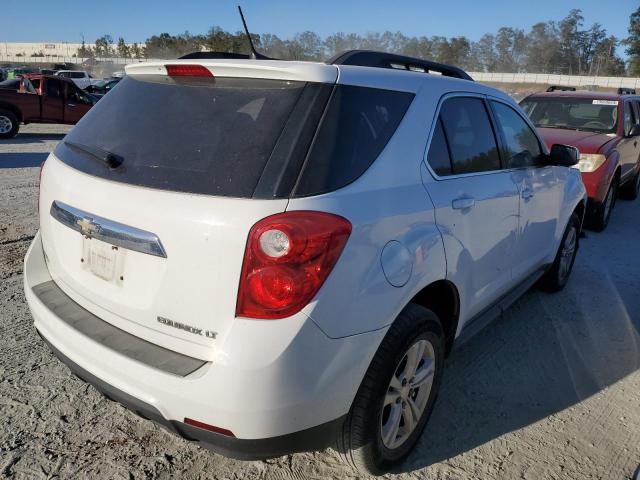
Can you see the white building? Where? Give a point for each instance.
(40, 52)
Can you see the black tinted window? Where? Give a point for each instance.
(438, 156)
(471, 140)
(54, 88)
(521, 144)
(358, 124)
(629, 118)
(191, 134)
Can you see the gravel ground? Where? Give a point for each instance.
(550, 390)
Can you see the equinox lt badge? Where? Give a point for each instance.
(188, 328)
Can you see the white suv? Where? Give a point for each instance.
(271, 257)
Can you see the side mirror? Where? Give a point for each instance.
(563, 155)
(635, 130)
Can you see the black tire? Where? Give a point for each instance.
(15, 124)
(361, 443)
(557, 277)
(599, 219)
(630, 190)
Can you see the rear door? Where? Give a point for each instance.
(538, 185)
(476, 202)
(53, 100)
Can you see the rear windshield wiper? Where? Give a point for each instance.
(111, 159)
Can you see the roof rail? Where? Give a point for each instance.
(205, 55)
(370, 58)
(560, 88)
(626, 91)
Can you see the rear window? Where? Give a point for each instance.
(234, 137)
(198, 135)
(358, 124)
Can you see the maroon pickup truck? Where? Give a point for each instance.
(41, 99)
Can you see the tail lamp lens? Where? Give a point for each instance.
(287, 259)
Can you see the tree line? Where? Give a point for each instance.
(566, 46)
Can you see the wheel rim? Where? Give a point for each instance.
(5, 124)
(568, 252)
(407, 394)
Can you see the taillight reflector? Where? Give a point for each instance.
(188, 71)
(287, 259)
(206, 426)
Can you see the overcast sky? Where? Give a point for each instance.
(136, 20)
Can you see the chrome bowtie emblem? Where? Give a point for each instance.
(87, 227)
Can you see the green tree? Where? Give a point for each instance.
(122, 48)
(104, 46)
(633, 43)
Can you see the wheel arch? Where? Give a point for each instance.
(13, 109)
(443, 299)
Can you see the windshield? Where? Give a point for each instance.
(592, 115)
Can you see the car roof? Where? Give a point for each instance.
(582, 94)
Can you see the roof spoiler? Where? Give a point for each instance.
(626, 91)
(206, 55)
(560, 88)
(370, 58)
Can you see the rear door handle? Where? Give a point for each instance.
(463, 203)
(527, 193)
(71, 104)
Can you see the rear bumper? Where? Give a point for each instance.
(315, 438)
(285, 383)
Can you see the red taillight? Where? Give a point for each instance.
(206, 426)
(287, 259)
(188, 71)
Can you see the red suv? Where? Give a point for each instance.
(605, 127)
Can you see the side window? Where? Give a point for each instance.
(521, 144)
(629, 118)
(54, 88)
(75, 95)
(438, 156)
(472, 143)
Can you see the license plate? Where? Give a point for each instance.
(100, 258)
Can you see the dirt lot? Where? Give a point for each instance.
(551, 390)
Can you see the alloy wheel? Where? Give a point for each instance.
(407, 394)
(5, 124)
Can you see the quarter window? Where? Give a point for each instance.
(521, 144)
(472, 143)
(438, 156)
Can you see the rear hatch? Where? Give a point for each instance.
(146, 205)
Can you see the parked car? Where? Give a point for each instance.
(270, 262)
(103, 87)
(41, 99)
(605, 128)
(81, 78)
